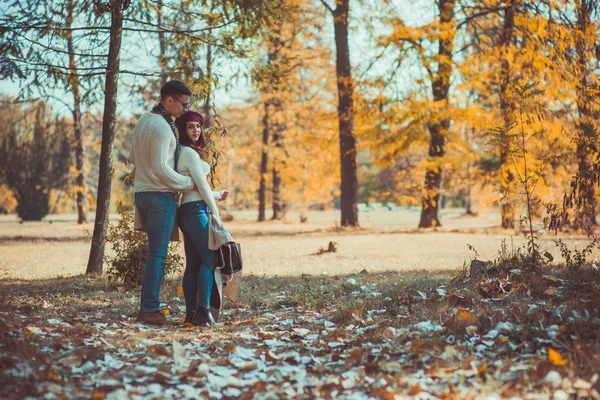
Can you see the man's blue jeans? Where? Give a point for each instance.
(157, 211)
(200, 261)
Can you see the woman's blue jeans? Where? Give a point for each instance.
(200, 264)
(157, 211)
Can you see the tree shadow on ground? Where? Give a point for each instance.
(99, 298)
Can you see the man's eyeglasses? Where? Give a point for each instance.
(185, 105)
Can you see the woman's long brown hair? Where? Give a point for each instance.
(201, 146)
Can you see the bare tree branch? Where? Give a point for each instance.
(59, 50)
(176, 30)
(328, 6)
(377, 58)
(9, 28)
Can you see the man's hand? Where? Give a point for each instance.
(224, 195)
(195, 189)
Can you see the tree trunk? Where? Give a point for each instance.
(469, 198)
(277, 198)
(162, 44)
(439, 128)
(349, 182)
(207, 119)
(469, 208)
(108, 134)
(78, 145)
(264, 159)
(507, 206)
(269, 121)
(433, 178)
(79, 178)
(584, 161)
(277, 160)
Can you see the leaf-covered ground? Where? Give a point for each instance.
(385, 335)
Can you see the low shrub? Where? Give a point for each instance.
(130, 249)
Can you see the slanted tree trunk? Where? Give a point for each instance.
(507, 203)
(78, 143)
(438, 129)
(264, 159)
(349, 181)
(108, 134)
(584, 161)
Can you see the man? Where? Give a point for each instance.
(154, 154)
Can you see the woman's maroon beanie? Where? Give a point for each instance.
(188, 116)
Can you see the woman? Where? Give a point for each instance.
(193, 219)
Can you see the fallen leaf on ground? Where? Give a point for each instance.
(556, 358)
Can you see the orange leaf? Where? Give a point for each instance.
(556, 358)
(383, 393)
(53, 376)
(453, 294)
(416, 389)
(179, 291)
(454, 298)
(165, 312)
(356, 355)
(98, 396)
(520, 286)
(251, 366)
(482, 368)
(466, 317)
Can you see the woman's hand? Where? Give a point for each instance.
(224, 195)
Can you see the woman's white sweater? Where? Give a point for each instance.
(153, 157)
(191, 164)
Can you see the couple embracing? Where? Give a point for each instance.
(171, 156)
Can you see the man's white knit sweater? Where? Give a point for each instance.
(153, 157)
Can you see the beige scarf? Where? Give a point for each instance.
(218, 235)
